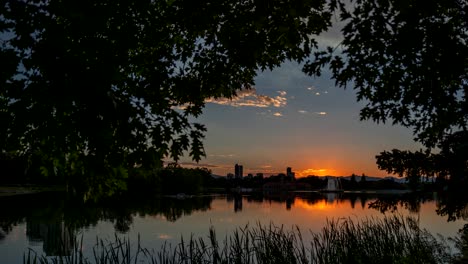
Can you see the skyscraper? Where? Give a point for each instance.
(238, 171)
(289, 173)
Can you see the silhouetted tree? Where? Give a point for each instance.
(408, 60)
(353, 182)
(93, 88)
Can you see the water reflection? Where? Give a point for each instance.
(57, 238)
(54, 221)
(237, 202)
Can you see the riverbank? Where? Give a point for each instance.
(10, 190)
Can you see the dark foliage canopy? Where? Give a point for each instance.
(408, 61)
(96, 87)
(110, 84)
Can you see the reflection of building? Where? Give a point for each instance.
(238, 171)
(289, 202)
(237, 203)
(58, 240)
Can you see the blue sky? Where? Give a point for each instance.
(294, 120)
(291, 119)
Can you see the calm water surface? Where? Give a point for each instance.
(39, 222)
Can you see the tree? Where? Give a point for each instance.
(363, 179)
(408, 61)
(412, 165)
(353, 182)
(450, 164)
(89, 89)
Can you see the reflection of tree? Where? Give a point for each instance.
(390, 203)
(57, 238)
(279, 197)
(173, 209)
(363, 199)
(352, 199)
(48, 218)
(16, 209)
(453, 205)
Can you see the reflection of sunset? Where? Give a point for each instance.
(320, 205)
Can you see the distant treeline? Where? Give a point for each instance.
(173, 179)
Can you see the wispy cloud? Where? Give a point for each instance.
(222, 155)
(278, 114)
(252, 99)
(305, 112)
(316, 91)
(282, 93)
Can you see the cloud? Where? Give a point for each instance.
(164, 236)
(312, 171)
(311, 88)
(222, 155)
(317, 93)
(304, 112)
(282, 93)
(252, 99)
(278, 114)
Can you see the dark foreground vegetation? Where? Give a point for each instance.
(392, 239)
(95, 92)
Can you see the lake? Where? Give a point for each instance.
(39, 222)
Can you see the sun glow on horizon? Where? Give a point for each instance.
(316, 172)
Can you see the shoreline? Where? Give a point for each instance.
(13, 190)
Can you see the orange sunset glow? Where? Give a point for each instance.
(321, 205)
(317, 172)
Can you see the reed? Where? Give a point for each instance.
(393, 239)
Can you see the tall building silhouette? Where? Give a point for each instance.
(289, 173)
(238, 171)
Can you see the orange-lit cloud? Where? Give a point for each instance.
(252, 99)
(317, 172)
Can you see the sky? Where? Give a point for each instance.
(293, 120)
